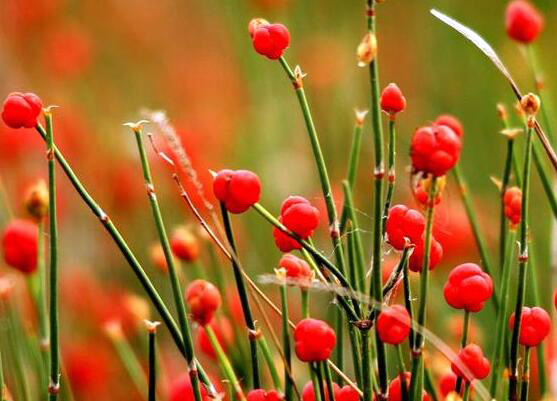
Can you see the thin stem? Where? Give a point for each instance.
(466, 392)
(401, 373)
(304, 294)
(288, 384)
(129, 359)
(129, 256)
(163, 238)
(152, 365)
(329, 379)
(525, 375)
(504, 185)
(241, 287)
(41, 293)
(319, 376)
(391, 170)
(358, 265)
(366, 365)
(473, 218)
(339, 349)
(463, 342)
(2, 389)
(224, 362)
(54, 385)
(408, 302)
(523, 263)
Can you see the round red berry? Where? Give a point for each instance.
(182, 390)
(262, 395)
(447, 383)
(184, 244)
(21, 110)
(283, 241)
(314, 340)
(270, 40)
(297, 269)
(452, 122)
(435, 149)
(512, 204)
(523, 21)
(20, 245)
(472, 358)
(534, 327)
(308, 392)
(347, 393)
(393, 324)
(392, 100)
(468, 287)
(239, 190)
(395, 388)
(299, 216)
(203, 300)
(415, 263)
(404, 223)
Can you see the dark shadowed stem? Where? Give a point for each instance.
(505, 179)
(408, 301)
(416, 382)
(339, 349)
(319, 377)
(391, 172)
(54, 385)
(463, 342)
(523, 263)
(163, 238)
(329, 380)
(401, 371)
(130, 258)
(473, 218)
(358, 265)
(466, 395)
(241, 287)
(429, 385)
(288, 384)
(152, 365)
(501, 326)
(525, 376)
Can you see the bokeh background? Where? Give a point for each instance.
(104, 61)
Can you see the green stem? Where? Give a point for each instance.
(170, 262)
(224, 363)
(41, 293)
(358, 266)
(304, 294)
(401, 372)
(241, 287)
(466, 392)
(366, 365)
(329, 380)
(391, 170)
(523, 259)
(339, 349)
(408, 301)
(2, 389)
(545, 179)
(130, 258)
(525, 376)
(152, 366)
(54, 385)
(130, 361)
(288, 384)
(463, 342)
(270, 360)
(319, 376)
(504, 185)
(473, 218)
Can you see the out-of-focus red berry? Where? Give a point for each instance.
(395, 388)
(314, 340)
(203, 300)
(156, 254)
(473, 359)
(534, 327)
(523, 21)
(184, 244)
(435, 149)
(299, 216)
(347, 393)
(555, 300)
(223, 331)
(392, 100)
(270, 40)
(88, 372)
(415, 263)
(262, 395)
(296, 269)
(468, 287)
(447, 383)
(393, 324)
(67, 51)
(20, 245)
(239, 189)
(512, 203)
(182, 390)
(308, 392)
(21, 110)
(404, 223)
(452, 122)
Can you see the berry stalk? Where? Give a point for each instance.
(525, 375)
(463, 342)
(175, 283)
(391, 173)
(408, 296)
(329, 380)
(152, 330)
(288, 384)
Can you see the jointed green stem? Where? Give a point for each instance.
(525, 376)
(54, 385)
(288, 384)
(358, 265)
(391, 172)
(504, 185)
(163, 237)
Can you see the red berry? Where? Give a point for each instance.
(404, 223)
(512, 204)
(269, 40)
(393, 324)
(20, 245)
(308, 392)
(534, 327)
(203, 300)
(523, 21)
(182, 390)
(283, 241)
(392, 100)
(468, 287)
(239, 189)
(447, 383)
(417, 258)
(184, 244)
(347, 393)
(452, 122)
(224, 333)
(262, 395)
(299, 216)
(21, 110)
(395, 388)
(296, 269)
(314, 340)
(435, 149)
(472, 358)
